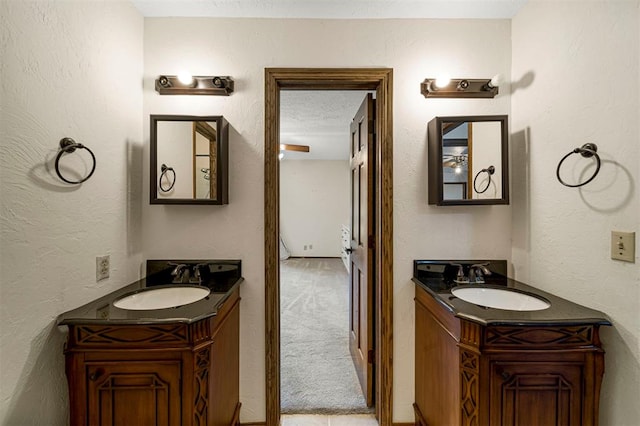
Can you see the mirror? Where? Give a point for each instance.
(468, 160)
(189, 160)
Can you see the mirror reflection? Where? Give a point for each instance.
(189, 160)
(468, 160)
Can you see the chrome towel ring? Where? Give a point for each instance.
(164, 168)
(67, 146)
(587, 150)
(489, 171)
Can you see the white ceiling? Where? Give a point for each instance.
(321, 119)
(331, 9)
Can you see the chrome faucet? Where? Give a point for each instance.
(477, 272)
(180, 273)
(460, 277)
(197, 272)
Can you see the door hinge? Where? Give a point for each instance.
(371, 242)
(371, 356)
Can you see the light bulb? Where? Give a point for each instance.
(442, 81)
(495, 81)
(281, 155)
(185, 78)
(458, 169)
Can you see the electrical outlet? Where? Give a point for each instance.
(102, 267)
(623, 246)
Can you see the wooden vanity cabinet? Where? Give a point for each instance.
(509, 375)
(156, 374)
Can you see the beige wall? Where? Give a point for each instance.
(314, 204)
(75, 71)
(242, 48)
(67, 69)
(576, 68)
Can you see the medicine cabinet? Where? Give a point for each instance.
(468, 160)
(189, 160)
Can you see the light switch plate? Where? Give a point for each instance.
(623, 246)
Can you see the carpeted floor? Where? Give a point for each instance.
(316, 371)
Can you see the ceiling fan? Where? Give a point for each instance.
(456, 162)
(293, 147)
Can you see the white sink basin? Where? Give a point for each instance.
(161, 297)
(500, 298)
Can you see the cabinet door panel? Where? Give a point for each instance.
(536, 393)
(134, 393)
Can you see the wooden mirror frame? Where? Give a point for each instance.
(380, 80)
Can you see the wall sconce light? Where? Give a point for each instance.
(198, 85)
(459, 88)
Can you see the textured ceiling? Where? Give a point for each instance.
(319, 119)
(334, 9)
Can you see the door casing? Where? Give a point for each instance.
(380, 80)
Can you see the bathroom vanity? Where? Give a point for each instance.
(174, 365)
(477, 365)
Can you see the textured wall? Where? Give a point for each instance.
(415, 49)
(68, 69)
(75, 71)
(314, 204)
(576, 73)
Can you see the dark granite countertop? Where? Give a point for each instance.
(437, 278)
(223, 278)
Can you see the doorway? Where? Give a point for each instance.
(379, 80)
(326, 212)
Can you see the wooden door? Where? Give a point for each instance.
(361, 303)
(137, 393)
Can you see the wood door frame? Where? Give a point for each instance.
(380, 80)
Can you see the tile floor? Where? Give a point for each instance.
(322, 420)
